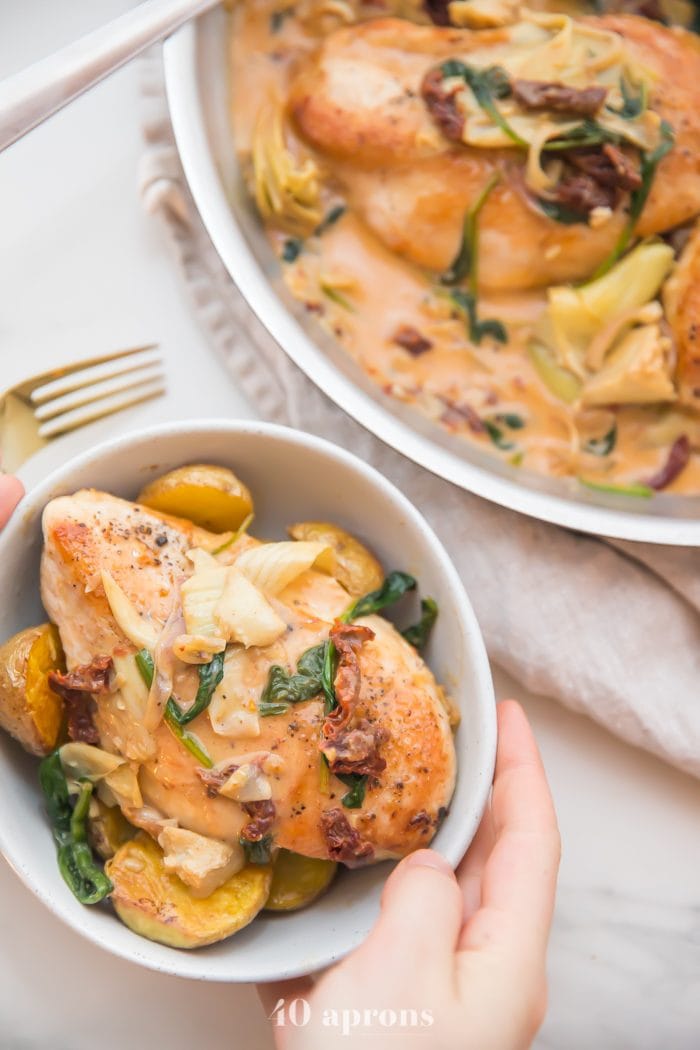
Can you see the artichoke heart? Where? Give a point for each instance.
(202, 863)
(575, 315)
(82, 761)
(637, 372)
(286, 188)
(244, 615)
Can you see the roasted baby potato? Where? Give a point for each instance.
(349, 561)
(158, 905)
(211, 497)
(29, 710)
(107, 829)
(297, 880)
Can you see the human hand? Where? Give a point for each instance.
(11, 492)
(468, 951)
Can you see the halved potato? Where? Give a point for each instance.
(158, 905)
(212, 497)
(107, 828)
(29, 710)
(297, 880)
(348, 560)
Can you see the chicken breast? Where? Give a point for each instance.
(146, 554)
(358, 102)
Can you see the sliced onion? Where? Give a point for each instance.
(164, 666)
(139, 631)
(83, 761)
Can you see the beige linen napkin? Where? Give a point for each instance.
(612, 630)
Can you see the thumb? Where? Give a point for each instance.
(421, 915)
(11, 492)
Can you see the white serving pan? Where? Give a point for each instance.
(197, 84)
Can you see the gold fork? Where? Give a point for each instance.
(61, 400)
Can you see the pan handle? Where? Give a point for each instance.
(29, 97)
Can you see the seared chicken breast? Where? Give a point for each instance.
(358, 101)
(399, 701)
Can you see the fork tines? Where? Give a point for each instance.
(97, 389)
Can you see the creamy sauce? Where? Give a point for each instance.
(364, 295)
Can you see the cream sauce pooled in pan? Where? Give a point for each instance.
(358, 177)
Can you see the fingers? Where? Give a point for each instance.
(11, 492)
(524, 800)
(471, 868)
(519, 877)
(421, 916)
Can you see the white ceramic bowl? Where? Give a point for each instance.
(197, 81)
(292, 476)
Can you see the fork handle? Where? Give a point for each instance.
(29, 97)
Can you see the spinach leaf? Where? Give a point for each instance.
(394, 587)
(632, 105)
(240, 531)
(209, 677)
(466, 304)
(257, 852)
(604, 445)
(189, 740)
(292, 249)
(494, 78)
(357, 783)
(82, 875)
(511, 419)
(85, 879)
(497, 436)
(635, 489)
(486, 85)
(324, 774)
(144, 662)
(311, 661)
(55, 788)
(588, 133)
(560, 213)
(465, 262)
(336, 212)
(80, 811)
(495, 432)
(419, 633)
(283, 689)
(638, 198)
(336, 297)
(330, 665)
(268, 708)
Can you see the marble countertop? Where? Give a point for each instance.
(83, 271)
